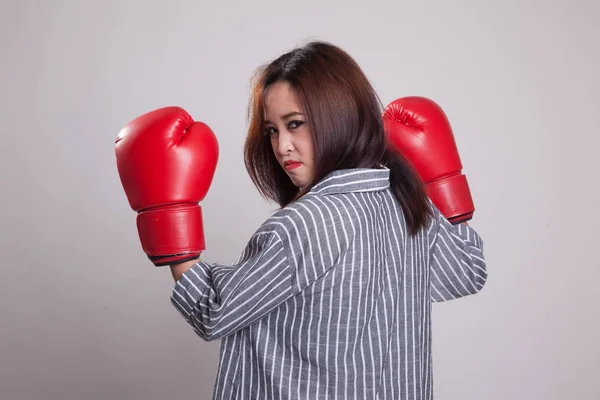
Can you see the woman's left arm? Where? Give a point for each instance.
(458, 266)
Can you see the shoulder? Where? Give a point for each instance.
(304, 212)
(312, 217)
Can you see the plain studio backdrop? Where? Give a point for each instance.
(84, 314)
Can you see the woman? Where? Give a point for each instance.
(331, 298)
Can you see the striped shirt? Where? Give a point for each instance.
(331, 298)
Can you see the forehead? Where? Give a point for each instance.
(280, 99)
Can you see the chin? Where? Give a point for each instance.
(301, 185)
(298, 184)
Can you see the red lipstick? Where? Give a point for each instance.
(291, 164)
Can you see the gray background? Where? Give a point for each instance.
(83, 313)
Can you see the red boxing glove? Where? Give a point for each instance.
(421, 132)
(166, 164)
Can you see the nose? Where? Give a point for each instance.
(284, 144)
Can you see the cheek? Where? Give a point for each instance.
(307, 146)
(273, 143)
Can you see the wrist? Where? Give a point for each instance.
(171, 234)
(178, 269)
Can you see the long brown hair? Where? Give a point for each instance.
(345, 117)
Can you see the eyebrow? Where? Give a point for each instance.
(286, 116)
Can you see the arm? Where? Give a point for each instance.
(217, 300)
(457, 263)
(178, 269)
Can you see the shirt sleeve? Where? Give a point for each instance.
(218, 300)
(458, 267)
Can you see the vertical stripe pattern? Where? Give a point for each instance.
(331, 298)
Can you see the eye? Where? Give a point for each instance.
(295, 124)
(269, 131)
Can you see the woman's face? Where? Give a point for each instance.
(291, 138)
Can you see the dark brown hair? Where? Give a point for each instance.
(345, 117)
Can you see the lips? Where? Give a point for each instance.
(291, 164)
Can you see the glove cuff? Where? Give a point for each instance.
(452, 196)
(171, 234)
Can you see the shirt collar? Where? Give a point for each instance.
(354, 180)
